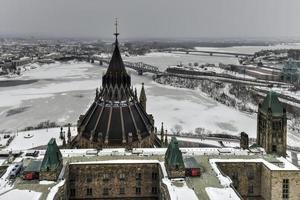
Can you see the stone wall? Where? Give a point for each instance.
(246, 177)
(268, 137)
(82, 142)
(51, 175)
(174, 172)
(267, 184)
(106, 180)
(277, 181)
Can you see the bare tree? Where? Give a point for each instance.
(176, 130)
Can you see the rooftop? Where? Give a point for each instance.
(272, 103)
(206, 186)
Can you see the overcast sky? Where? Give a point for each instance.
(151, 18)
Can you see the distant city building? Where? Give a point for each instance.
(294, 54)
(291, 72)
(272, 125)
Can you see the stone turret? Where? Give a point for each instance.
(166, 138)
(143, 98)
(52, 162)
(69, 133)
(162, 132)
(272, 125)
(174, 161)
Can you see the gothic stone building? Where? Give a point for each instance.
(116, 118)
(129, 180)
(257, 181)
(272, 125)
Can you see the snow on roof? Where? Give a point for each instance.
(179, 193)
(54, 190)
(24, 194)
(39, 137)
(4, 182)
(286, 164)
(221, 193)
(116, 162)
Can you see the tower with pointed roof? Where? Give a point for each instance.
(174, 161)
(116, 118)
(272, 125)
(52, 162)
(143, 98)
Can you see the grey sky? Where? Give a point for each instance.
(151, 18)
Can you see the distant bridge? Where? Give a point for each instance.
(211, 53)
(140, 67)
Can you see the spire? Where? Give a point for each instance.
(116, 72)
(272, 103)
(173, 156)
(116, 33)
(143, 98)
(162, 132)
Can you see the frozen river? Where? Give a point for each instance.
(61, 92)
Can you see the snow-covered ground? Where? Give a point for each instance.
(38, 137)
(64, 98)
(63, 91)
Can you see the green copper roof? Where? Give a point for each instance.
(52, 158)
(173, 155)
(271, 101)
(253, 146)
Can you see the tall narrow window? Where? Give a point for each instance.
(285, 189)
(122, 176)
(138, 190)
(105, 177)
(154, 190)
(72, 192)
(154, 176)
(122, 190)
(89, 192)
(138, 176)
(250, 189)
(105, 191)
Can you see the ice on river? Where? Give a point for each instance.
(65, 90)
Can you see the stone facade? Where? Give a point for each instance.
(114, 181)
(244, 142)
(256, 181)
(50, 175)
(269, 136)
(174, 161)
(143, 143)
(272, 125)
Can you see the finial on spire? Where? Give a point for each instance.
(116, 25)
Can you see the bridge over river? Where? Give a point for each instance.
(211, 53)
(140, 67)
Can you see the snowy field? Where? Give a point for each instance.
(63, 91)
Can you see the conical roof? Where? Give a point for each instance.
(143, 93)
(116, 115)
(52, 158)
(272, 102)
(173, 156)
(116, 65)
